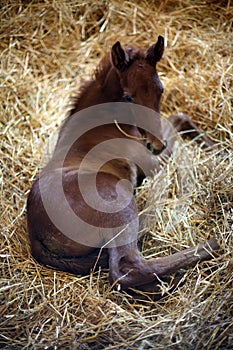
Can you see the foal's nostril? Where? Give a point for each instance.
(158, 151)
(149, 146)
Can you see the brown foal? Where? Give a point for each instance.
(127, 76)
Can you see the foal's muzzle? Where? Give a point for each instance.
(156, 151)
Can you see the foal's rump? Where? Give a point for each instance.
(74, 219)
(46, 210)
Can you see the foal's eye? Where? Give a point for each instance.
(128, 98)
(161, 88)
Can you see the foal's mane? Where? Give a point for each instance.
(95, 82)
(103, 69)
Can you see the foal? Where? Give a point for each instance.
(128, 76)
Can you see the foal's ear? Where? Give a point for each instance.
(155, 52)
(119, 57)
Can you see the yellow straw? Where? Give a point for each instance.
(128, 135)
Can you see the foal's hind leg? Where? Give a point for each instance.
(130, 269)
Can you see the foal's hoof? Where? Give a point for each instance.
(156, 290)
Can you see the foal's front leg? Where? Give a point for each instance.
(180, 125)
(184, 125)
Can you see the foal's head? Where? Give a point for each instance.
(140, 81)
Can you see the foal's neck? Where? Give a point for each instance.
(105, 87)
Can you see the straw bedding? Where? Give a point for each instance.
(47, 49)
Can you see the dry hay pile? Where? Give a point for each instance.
(47, 48)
